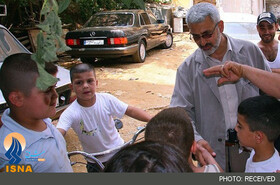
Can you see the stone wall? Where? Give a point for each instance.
(274, 7)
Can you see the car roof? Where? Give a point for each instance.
(238, 17)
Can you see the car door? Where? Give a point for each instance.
(159, 29)
(151, 29)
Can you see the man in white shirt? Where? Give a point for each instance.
(267, 26)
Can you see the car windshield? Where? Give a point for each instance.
(8, 46)
(119, 19)
(246, 31)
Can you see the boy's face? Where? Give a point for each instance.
(245, 136)
(41, 104)
(84, 85)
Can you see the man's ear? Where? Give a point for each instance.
(221, 26)
(276, 26)
(96, 82)
(16, 98)
(259, 136)
(71, 86)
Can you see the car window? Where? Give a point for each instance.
(153, 19)
(142, 22)
(146, 18)
(8, 45)
(118, 19)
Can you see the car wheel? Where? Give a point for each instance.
(140, 55)
(88, 59)
(168, 42)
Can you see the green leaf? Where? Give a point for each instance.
(47, 40)
(44, 27)
(45, 80)
(46, 8)
(54, 6)
(63, 5)
(51, 18)
(40, 47)
(61, 45)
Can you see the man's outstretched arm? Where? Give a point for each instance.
(231, 71)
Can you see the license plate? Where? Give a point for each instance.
(94, 42)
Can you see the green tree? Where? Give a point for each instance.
(79, 11)
(26, 13)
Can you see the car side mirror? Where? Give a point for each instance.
(160, 21)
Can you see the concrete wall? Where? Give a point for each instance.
(183, 3)
(254, 7)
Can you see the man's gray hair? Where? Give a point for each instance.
(200, 11)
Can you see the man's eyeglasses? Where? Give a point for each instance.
(197, 37)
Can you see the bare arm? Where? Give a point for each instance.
(275, 70)
(268, 82)
(138, 114)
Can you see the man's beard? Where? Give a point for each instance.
(265, 40)
(215, 46)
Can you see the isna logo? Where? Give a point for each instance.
(14, 144)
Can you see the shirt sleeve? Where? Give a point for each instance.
(117, 107)
(211, 168)
(183, 97)
(66, 119)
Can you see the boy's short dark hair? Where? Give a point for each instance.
(81, 68)
(171, 125)
(147, 156)
(18, 73)
(262, 113)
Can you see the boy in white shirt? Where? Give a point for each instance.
(258, 126)
(91, 115)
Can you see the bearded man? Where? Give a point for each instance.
(213, 109)
(267, 27)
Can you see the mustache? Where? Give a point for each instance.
(264, 35)
(206, 45)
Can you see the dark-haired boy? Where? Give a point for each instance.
(91, 115)
(28, 116)
(258, 126)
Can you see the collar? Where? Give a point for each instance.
(29, 135)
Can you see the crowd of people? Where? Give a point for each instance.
(225, 100)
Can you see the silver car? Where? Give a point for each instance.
(10, 45)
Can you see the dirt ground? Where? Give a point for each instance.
(147, 85)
